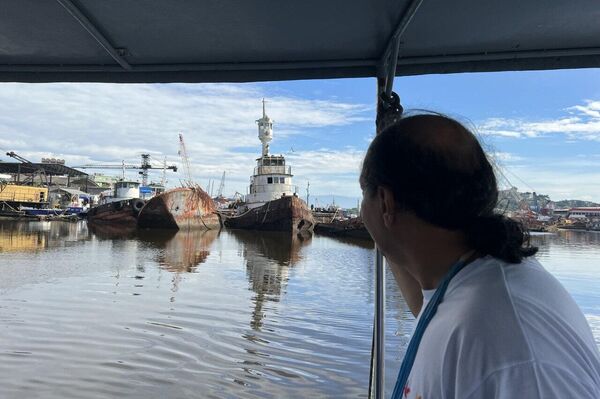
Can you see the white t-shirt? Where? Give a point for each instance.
(505, 331)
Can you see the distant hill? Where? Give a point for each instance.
(511, 200)
(326, 200)
(574, 204)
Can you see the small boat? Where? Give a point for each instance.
(272, 203)
(354, 228)
(326, 215)
(180, 208)
(122, 208)
(573, 224)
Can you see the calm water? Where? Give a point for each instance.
(103, 313)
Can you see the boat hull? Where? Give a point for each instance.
(353, 228)
(183, 208)
(284, 214)
(124, 212)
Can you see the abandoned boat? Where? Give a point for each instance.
(354, 228)
(121, 206)
(180, 208)
(271, 203)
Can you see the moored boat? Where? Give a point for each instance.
(354, 228)
(180, 208)
(326, 215)
(122, 208)
(288, 213)
(271, 202)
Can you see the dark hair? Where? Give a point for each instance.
(437, 170)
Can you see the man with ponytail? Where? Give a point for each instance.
(491, 321)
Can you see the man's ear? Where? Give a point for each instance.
(387, 205)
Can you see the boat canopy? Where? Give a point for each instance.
(243, 41)
(73, 192)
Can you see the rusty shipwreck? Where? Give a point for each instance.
(271, 202)
(182, 208)
(284, 214)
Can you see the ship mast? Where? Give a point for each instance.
(265, 131)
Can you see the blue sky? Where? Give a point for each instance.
(542, 127)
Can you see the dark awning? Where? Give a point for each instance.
(215, 41)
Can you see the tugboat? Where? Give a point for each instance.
(271, 202)
(120, 207)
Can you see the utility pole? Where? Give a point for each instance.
(308, 192)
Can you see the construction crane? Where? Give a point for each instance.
(221, 186)
(16, 156)
(144, 167)
(185, 160)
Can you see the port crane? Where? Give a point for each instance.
(144, 167)
(221, 186)
(185, 160)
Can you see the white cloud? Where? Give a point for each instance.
(107, 123)
(504, 157)
(581, 123)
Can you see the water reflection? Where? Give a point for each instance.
(574, 238)
(268, 257)
(257, 314)
(354, 241)
(112, 231)
(181, 251)
(31, 236)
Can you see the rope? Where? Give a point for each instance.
(389, 111)
(267, 211)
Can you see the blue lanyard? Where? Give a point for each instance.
(428, 313)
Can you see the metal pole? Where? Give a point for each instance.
(94, 32)
(377, 381)
(378, 358)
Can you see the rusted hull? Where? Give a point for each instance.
(324, 217)
(284, 214)
(123, 212)
(182, 208)
(353, 228)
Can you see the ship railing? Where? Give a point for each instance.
(263, 189)
(265, 170)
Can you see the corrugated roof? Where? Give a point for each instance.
(49, 169)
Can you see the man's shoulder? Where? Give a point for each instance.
(533, 379)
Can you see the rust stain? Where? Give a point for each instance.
(182, 208)
(283, 214)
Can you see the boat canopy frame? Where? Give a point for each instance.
(153, 41)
